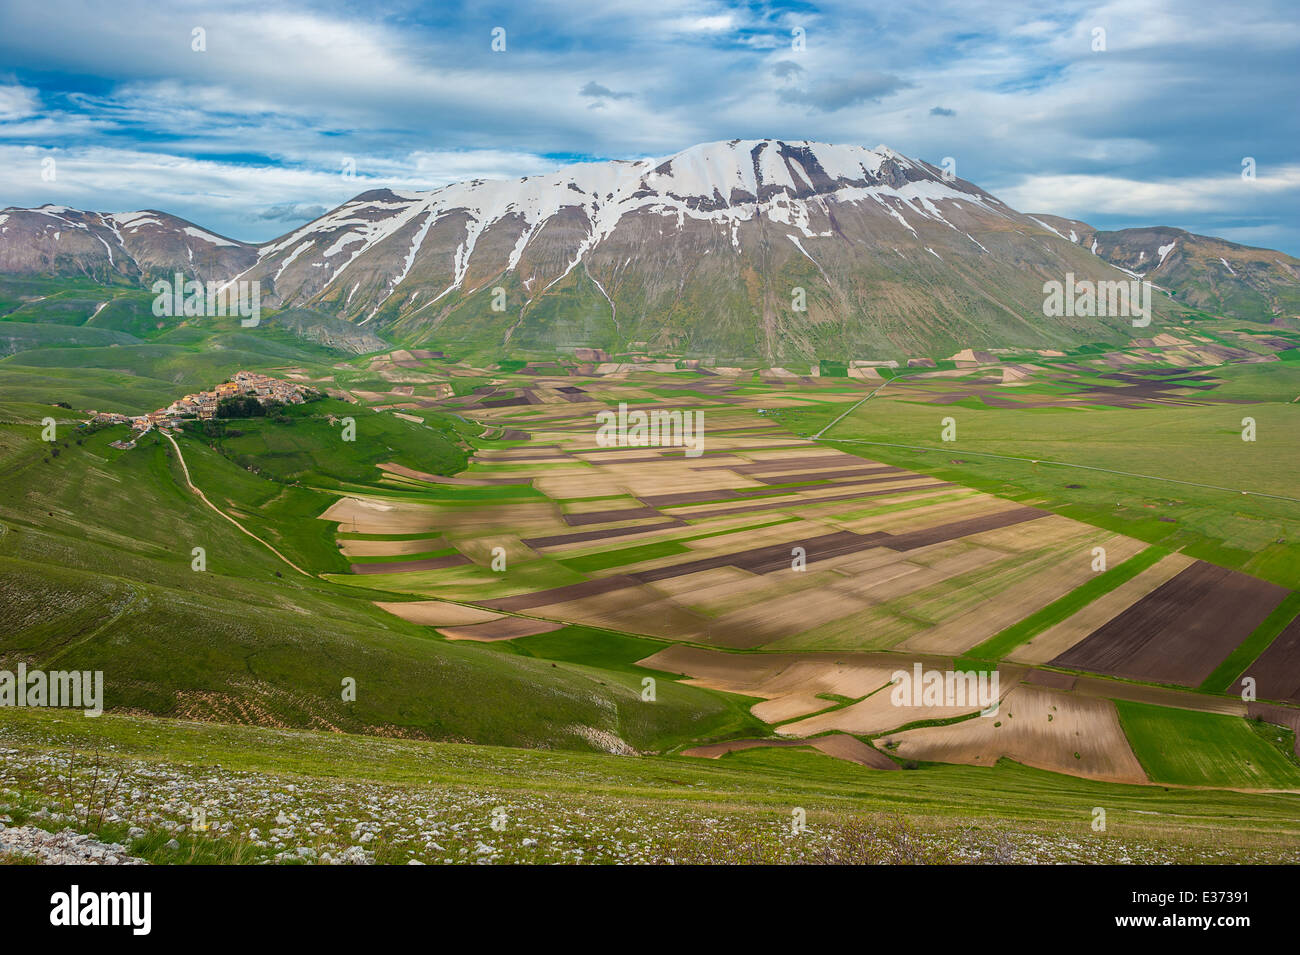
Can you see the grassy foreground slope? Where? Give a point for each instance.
(289, 795)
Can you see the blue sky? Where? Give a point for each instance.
(251, 136)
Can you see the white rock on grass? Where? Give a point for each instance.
(62, 848)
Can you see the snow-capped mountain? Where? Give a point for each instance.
(1201, 271)
(104, 246)
(541, 228)
(745, 247)
(757, 247)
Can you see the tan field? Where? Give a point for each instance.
(1056, 640)
(523, 519)
(635, 609)
(356, 548)
(356, 515)
(1037, 727)
(952, 558)
(837, 745)
(722, 596)
(697, 589)
(506, 628)
(437, 613)
(960, 633)
(877, 713)
(767, 621)
(788, 683)
(585, 483)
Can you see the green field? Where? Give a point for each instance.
(1211, 750)
(1009, 452)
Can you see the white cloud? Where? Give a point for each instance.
(714, 24)
(1160, 202)
(1179, 93)
(17, 102)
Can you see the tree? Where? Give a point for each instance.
(240, 406)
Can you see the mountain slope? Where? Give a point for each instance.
(1212, 274)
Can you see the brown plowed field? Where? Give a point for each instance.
(1277, 671)
(1180, 631)
(1046, 729)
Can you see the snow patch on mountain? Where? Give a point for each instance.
(730, 183)
(799, 245)
(208, 237)
(1046, 226)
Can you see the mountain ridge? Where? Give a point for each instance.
(738, 247)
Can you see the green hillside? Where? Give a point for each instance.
(95, 567)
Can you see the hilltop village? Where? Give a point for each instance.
(203, 405)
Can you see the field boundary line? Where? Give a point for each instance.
(180, 456)
(856, 405)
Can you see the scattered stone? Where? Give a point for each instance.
(66, 847)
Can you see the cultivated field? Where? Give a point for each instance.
(488, 571)
(805, 573)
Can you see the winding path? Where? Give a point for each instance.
(204, 498)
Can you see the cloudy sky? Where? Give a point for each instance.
(256, 132)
